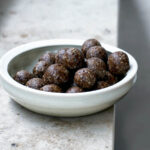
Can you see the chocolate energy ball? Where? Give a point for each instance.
(102, 84)
(74, 89)
(89, 43)
(97, 66)
(85, 78)
(118, 63)
(51, 88)
(71, 58)
(49, 58)
(35, 83)
(109, 78)
(56, 74)
(23, 76)
(97, 51)
(40, 68)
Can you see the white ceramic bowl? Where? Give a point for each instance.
(58, 104)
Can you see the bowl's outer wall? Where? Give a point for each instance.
(67, 106)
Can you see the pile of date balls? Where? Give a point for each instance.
(71, 70)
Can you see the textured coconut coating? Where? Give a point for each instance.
(56, 74)
(118, 63)
(97, 51)
(89, 43)
(109, 78)
(102, 84)
(35, 83)
(51, 88)
(23, 76)
(49, 58)
(40, 68)
(74, 89)
(71, 58)
(97, 65)
(85, 78)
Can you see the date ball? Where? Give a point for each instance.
(97, 66)
(40, 68)
(110, 78)
(85, 78)
(74, 89)
(71, 58)
(51, 88)
(118, 63)
(89, 43)
(22, 76)
(49, 58)
(102, 84)
(97, 51)
(35, 83)
(56, 74)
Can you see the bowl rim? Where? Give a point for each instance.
(6, 59)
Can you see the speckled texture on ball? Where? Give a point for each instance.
(49, 58)
(23, 76)
(71, 58)
(97, 65)
(89, 43)
(40, 68)
(51, 88)
(85, 78)
(97, 51)
(74, 89)
(35, 83)
(110, 78)
(102, 84)
(56, 74)
(118, 63)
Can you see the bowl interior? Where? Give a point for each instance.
(28, 59)
(26, 56)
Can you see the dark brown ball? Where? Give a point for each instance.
(85, 78)
(56, 74)
(89, 43)
(35, 83)
(40, 68)
(110, 78)
(74, 89)
(49, 58)
(51, 88)
(97, 51)
(71, 58)
(118, 63)
(97, 66)
(23, 76)
(120, 77)
(102, 84)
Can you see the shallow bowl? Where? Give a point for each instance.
(59, 104)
